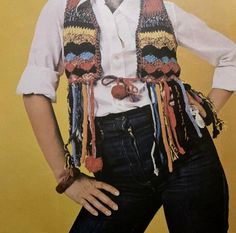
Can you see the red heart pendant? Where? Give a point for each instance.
(93, 164)
(119, 92)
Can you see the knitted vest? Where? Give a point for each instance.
(157, 66)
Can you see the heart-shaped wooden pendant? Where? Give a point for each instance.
(93, 164)
(119, 92)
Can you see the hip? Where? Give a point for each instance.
(127, 144)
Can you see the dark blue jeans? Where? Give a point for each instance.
(194, 196)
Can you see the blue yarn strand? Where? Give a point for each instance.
(155, 106)
(157, 119)
(187, 108)
(75, 130)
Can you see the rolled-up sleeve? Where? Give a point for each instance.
(218, 50)
(45, 65)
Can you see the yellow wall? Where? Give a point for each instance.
(28, 202)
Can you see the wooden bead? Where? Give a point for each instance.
(119, 92)
(93, 164)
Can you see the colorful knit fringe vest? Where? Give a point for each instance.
(156, 65)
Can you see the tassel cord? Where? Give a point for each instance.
(170, 130)
(187, 109)
(172, 118)
(85, 123)
(156, 115)
(156, 119)
(92, 119)
(76, 136)
(163, 129)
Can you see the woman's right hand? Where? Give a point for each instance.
(88, 192)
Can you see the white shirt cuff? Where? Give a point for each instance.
(225, 78)
(39, 80)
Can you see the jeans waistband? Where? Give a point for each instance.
(137, 117)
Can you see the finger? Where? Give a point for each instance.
(92, 200)
(105, 199)
(107, 187)
(88, 207)
(199, 107)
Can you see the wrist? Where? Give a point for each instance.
(60, 174)
(69, 177)
(61, 167)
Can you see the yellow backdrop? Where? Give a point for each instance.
(28, 201)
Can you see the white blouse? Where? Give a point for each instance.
(118, 51)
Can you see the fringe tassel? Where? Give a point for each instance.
(68, 157)
(174, 150)
(163, 129)
(92, 118)
(156, 115)
(179, 110)
(209, 107)
(187, 108)
(93, 163)
(173, 123)
(156, 120)
(156, 170)
(76, 134)
(156, 123)
(81, 109)
(85, 123)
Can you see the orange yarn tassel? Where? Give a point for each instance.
(171, 124)
(92, 163)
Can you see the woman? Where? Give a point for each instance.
(134, 123)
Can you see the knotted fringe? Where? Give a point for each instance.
(74, 99)
(171, 111)
(85, 124)
(81, 113)
(163, 126)
(156, 120)
(92, 163)
(170, 95)
(208, 106)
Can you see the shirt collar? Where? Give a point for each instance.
(129, 8)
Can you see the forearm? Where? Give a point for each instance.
(84, 190)
(46, 130)
(219, 97)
